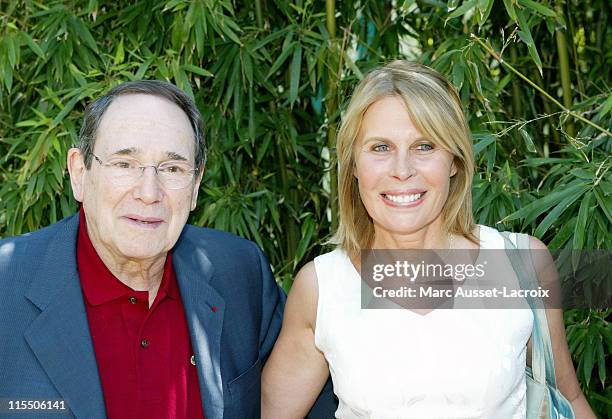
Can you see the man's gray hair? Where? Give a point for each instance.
(94, 112)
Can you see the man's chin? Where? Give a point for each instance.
(139, 253)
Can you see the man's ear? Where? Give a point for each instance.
(196, 188)
(76, 168)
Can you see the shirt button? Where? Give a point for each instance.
(192, 360)
(133, 300)
(144, 343)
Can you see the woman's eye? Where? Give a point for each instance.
(380, 147)
(424, 147)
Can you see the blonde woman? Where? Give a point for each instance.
(405, 173)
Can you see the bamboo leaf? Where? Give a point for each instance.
(120, 54)
(36, 49)
(509, 5)
(484, 10)
(601, 362)
(525, 35)
(197, 70)
(272, 37)
(555, 214)
(476, 77)
(142, 69)
(83, 34)
(8, 74)
(452, 5)
(528, 140)
(607, 106)
(564, 233)
(536, 208)
(581, 223)
(199, 31)
(296, 69)
(486, 139)
(461, 10)
(588, 359)
(304, 244)
(538, 7)
(605, 204)
(281, 59)
(66, 109)
(9, 47)
(251, 113)
(247, 67)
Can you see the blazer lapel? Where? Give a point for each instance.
(59, 336)
(204, 309)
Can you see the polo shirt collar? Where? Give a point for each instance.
(99, 285)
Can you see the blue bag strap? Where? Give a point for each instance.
(542, 360)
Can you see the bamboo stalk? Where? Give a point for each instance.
(564, 68)
(538, 88)
(570, 34)
(291, 229)
(330, 10)
(517, 104)
(331, 108)
(548, 111)
(258, 14)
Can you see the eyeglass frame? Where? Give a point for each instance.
(155, 167)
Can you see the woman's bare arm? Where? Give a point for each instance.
(296, 370)
(564, 368)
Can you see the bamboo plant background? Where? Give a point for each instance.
(272, 77)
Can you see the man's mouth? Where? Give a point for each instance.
(150, 222)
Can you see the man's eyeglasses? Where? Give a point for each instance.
(126, 172)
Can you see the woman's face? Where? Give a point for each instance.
(403, 176)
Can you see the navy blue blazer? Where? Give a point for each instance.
(46, 351)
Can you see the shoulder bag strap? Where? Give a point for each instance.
(542, 363)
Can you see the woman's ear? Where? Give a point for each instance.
(453, 169)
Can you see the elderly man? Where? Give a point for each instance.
(123, 310)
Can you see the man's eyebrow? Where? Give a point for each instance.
(133, 150)
(126, 151)
(175, 156)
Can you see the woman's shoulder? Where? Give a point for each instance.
(319, 266)
(492, 238)
(333, 257)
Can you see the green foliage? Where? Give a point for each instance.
(271, 78)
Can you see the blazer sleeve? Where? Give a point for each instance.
(272, 307)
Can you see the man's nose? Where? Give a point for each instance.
(148, 188)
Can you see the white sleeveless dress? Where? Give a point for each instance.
(450, 363)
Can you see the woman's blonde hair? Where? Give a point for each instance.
(435, 110)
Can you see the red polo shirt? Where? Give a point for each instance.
(144, 354)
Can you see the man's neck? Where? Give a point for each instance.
(139, 275)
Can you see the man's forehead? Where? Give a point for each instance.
(136, 123)
(143, 108)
